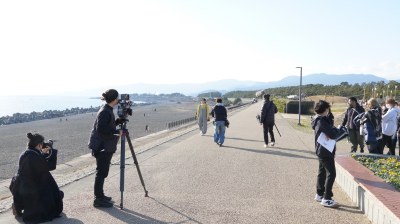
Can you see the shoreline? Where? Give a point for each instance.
(71, 134)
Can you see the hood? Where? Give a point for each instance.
(314, 120)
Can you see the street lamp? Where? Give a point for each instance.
(301, 76)
(395, 89)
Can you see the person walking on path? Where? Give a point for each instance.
(326, 171)
(221, 117)
(103, 142)
(371, 126)
(203, 116)
(267, 119)
(389, 126)
(356, 139)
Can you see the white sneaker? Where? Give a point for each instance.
(329, 203)
(265, 145)
(272, 143)
(318, 198)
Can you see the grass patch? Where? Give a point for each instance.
(386, 168)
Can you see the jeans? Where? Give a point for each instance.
(326, 177)
(219, 132)
(268, 128)
(203, 124)
(103, 160)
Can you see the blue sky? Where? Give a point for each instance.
(79, 45)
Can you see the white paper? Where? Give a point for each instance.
(326, 142)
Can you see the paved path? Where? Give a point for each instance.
(192, 180)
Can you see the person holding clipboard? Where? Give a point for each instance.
(326, 136)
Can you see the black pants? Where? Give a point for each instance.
(387, 141)
(326, 177)
(103, 160)
(268, 128)
(356, 139)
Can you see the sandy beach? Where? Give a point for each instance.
(70, 134)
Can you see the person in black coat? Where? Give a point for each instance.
(103, 143)
(355, 137)
(322, 124)
(36, 196)
(267, 119)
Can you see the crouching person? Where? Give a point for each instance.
(322, 125)
(36, 196)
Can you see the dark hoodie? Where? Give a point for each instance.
(323, 124)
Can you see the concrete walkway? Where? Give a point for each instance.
(190, 179)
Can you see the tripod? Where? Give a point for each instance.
(125, 134)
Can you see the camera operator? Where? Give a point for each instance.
(36, 196)
(103, 143)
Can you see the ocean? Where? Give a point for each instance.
(26, 104)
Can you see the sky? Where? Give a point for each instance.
(55, 47)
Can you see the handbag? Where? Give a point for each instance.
(227, 123)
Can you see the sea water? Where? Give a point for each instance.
(27, 104)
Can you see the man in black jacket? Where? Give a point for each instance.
(267, 119)
(354, 132)
(220, 114)
(103, 142)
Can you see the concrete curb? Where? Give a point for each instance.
(376, 207)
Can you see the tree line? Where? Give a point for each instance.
(363, 90)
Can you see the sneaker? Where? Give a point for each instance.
(318, 198)
(265, 145)
(353, 151)
(220, 144)
(101, 202)
(361, 150)
(329, 203)
(272, 143)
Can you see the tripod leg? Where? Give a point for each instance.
(136, 164)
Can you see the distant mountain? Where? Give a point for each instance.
(327, 79)
(226, 85)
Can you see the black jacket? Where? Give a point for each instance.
(324, 124)
(350, 114)
(104, 132)
(36, 191)
(219, 112)
(268, 112)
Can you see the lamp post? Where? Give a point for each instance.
(301, 76)
(395, 89)
(364, 95)
(387, 92)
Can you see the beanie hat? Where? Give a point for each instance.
(110, 95)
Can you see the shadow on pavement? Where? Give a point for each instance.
(272, 151)
(129, 216)
(65, 219)
(351, 209)
(243, 139)
(176, 211)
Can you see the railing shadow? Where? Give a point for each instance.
(272, 151)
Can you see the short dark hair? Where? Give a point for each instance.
(266, 96)
(353, 99)
(219, 100)
(321, 106)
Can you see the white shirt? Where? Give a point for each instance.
(389, 122)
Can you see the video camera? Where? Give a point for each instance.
(124, 107)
